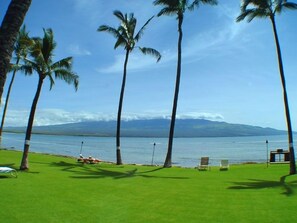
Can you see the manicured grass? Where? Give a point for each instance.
(58, 189)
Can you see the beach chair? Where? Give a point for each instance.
(9, 170)
(224, 165)
(204, 164)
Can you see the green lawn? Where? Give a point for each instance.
(58, 189)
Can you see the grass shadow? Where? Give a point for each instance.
(8, 176)
(11, 165)
(91, 171)
(288, 187)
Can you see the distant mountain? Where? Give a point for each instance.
(153, 128)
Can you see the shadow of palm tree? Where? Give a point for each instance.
(88, 171)
(288, 187)
(7, 164)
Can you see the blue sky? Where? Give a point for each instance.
(229, 69)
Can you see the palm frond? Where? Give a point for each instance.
(22, 43)
(119, 15)
(259, 13)
(14, 67)
(64, 63)
(68, 76)
(26, 68)
(167, 3)
(243, 15)
(290, 5)
(48, 45)
(140, 32)
(171, 7)
(36, 48)
(196, 3)
(111, 30)
(250, 14)
(168, 11)
(127, 28)
(52, 81)
(122, 29)
(120, 42)
(130, 26)
(210, 2)
(152, 52)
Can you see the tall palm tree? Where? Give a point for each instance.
(9, 29)
(125, 37)
(21, 47)
(251, 9)
(41, 61)
(177, 8)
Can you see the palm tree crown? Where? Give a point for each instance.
(42, 61)
(22, 44)
(173, 7)
(263, 8)
(125, 33)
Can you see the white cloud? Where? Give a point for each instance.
(78, 51)
(85, 4)
(89, 9)
(201, 115)
(3, 101)
(59, 116)
(221, 39)
(137, 61)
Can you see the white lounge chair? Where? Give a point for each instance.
(224, 165)
(9, 170)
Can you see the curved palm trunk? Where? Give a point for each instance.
(9, 29)
(7, 100)
(25, 163)
(287, 111)
(118, 136)
(168, 160)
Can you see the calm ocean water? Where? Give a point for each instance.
(186, 151)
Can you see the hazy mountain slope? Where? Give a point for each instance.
(154, 128)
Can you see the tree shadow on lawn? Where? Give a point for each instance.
(288, 187)
(11, 165)
(93, 171)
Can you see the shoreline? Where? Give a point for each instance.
(141, 151)
(133, 164)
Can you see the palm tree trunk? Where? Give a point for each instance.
(7, 100)
(9, 29)
(287, 110)
(118, 136)
(168, 160)
(25, 163)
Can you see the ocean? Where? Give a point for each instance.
(186, 151)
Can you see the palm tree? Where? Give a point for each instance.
(41, 54)
(21, 46)
(9, 29)
(125, 35)
(177, 8)
(251, 9)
